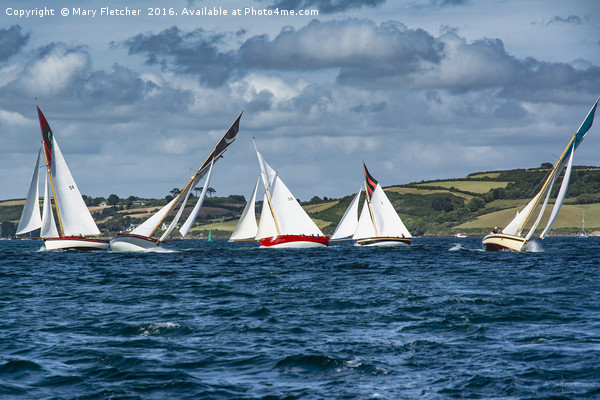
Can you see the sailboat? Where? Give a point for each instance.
(283, 222)
(145, 236)
(378, 225)
(76, 227)
(511, 238)
(583, 233)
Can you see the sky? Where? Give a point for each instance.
(416, 89)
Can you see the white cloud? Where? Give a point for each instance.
(53, 72)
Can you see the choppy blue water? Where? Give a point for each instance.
(441, 319)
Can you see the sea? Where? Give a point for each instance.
(198, 319)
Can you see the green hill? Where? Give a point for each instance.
(472, 205)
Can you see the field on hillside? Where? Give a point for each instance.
(424, 192)
(469, 186)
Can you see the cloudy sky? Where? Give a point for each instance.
(417, 89)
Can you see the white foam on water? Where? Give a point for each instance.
(533, 246)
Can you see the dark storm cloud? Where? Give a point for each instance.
(195, 53)
(11, 41)
(326, 6)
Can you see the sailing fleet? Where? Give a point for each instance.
(283, 223)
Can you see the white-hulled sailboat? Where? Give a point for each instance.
(78, 230)
(511, 238)
(283, 222)
(145, 237)
(378, 225)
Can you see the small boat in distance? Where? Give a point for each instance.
(511, 237)
(460, 235)
(283, 222)
(378, 225)
(583, 233)
(76, 227)
(145, 236)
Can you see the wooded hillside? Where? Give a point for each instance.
(472, 205)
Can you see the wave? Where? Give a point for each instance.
(153, 329)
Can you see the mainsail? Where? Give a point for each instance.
(74, 216)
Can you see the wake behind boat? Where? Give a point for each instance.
(511, 237)
(145, 236)
(76, 227)
(283, 222)
(378, 225)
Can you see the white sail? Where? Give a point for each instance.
(560, 198)
(387, 221)
(75, 217)
(175, 220)
(292, 218)
(266, 227)
(48, 225)
(148, 227)
(30, 216)
(513, 226)
(246, 227)
(347, 225)
(185, 228)
(542, 208)
(365, 228)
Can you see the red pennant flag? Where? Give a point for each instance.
(371, 182)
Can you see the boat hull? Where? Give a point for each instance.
(503, 242)
(384, 241)
(294, 241)
(76, 243)
(129, 242)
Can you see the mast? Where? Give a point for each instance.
(271, 207)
